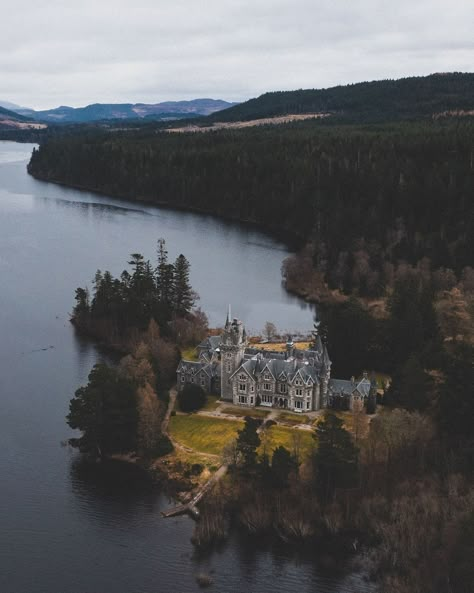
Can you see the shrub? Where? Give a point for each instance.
(162, 447)
(191, 398)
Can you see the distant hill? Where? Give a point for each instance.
(103, 111)
(11, 121)
(378, 101)
(10, 106)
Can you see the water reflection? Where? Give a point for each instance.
(75, 528)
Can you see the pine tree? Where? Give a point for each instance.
(105, 410)
(183, 294)
(335, 459)
(164, 276)
(248, 442)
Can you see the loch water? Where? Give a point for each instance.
(66, 527)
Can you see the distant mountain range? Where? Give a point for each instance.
(12, 121)
(436, 95)
(168, 110)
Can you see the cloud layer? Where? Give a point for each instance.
(76, 53)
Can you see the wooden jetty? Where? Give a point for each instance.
(191, 506)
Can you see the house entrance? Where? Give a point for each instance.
(282, 402)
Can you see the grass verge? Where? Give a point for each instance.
(277, 436)
(202, 433)
(242, 412)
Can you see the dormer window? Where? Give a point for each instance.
(266, 376)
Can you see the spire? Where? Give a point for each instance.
(229, 316)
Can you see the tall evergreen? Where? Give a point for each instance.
(336, 457)
(183, 293)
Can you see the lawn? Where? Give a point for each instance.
(280, 346)
(285, 436)
(293, 418)
(189, 353)
(242, 412)
(203, 433)
(211, 403)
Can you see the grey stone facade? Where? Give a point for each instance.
(297, 380)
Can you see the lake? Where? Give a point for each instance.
(67, 528)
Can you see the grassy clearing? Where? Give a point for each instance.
(293, 418)
(189, 354)
(242, 412)
(203, 433)
(277, 436)
(281, 346)
(211, 403)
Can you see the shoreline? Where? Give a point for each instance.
(292, 240)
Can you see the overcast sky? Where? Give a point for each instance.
(65, 52)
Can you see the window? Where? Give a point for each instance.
(203, 382)
(228, 367)
(183, 378)
(228, 355)
(299, 392)
(242, 387)
(242, 377)
(242, 399)
(267, 386)
(266, 376)
(297, 382)
(268, 399)
(252, 388)
(308, 403)
(298, 405)
(283, 388)
(251, 400)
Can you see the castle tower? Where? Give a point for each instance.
(232, 347)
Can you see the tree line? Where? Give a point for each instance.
(363, 197)
(147, 313)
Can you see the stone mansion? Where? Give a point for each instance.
(297, 380)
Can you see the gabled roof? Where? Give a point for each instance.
(341, 386)
(210, 343)
(244, 368)
(338, 386)
(193, 367)
(363, 387)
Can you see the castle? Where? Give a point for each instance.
(297, 380)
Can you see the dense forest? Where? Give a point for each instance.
(362, 196)
(147, 314)
(384, 215)
(377, 101)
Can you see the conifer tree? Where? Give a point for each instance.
(335, 459)
(183, 293)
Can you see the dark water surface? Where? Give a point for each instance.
(65, 528)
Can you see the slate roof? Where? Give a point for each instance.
(338, 386)
(210, 343)
(257, 364)
(190, 366)
(341, 386)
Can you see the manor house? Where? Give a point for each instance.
(298, 380)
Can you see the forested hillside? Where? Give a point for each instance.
(393, 192)
(377, 101)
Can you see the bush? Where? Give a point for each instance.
(163, 446)
(191, 398)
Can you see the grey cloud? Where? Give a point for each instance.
(64, 52)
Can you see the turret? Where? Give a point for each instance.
(232, 348)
